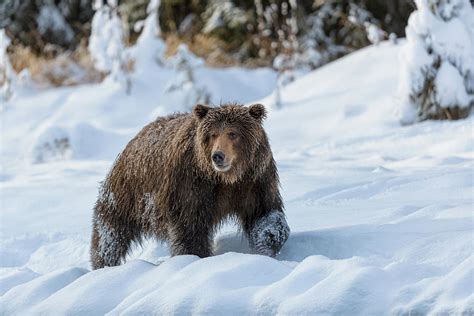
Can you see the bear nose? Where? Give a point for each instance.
(218, 157)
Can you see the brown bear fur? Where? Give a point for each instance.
(164, 185)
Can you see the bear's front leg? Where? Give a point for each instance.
(192, 239)
(269, 233)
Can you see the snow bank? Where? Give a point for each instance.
(241, 283)
(38, 290)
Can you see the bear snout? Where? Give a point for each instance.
(218, 158)
(219, 161)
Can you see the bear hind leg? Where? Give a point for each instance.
(109, 246)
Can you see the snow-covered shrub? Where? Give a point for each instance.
(51, 22)
(51, 145)
(55, 142)
(333, 30)
(106, 42)
(278, 27)
(184, 89)
(362, 19)
(226, 22)
(24, 78)
(337, 28)
(223, 14)
(374, 33)
(149, 47)
(65, 70)
(38, 23)
(437, 80)
(285, 66)
(7, 74)
(289, 58)
(77, 141)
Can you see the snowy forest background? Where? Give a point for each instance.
(77, 41)
(369, 121)
(243, 32)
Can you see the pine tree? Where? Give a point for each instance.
(106, 43)
(437, 80)
(149, 47)
(184, 88)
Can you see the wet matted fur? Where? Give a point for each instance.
(164, 185)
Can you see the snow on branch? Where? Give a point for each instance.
(150, 48)
(437, 78)
(106, 42)
(184, 88)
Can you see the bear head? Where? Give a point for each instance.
(231, 142)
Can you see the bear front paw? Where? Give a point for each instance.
(269, 234)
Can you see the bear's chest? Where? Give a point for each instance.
(234, 199)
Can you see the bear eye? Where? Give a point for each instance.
(232, 135)
(213, 135)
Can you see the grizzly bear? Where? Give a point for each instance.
(182, 176)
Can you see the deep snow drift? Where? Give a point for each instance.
(381, 215)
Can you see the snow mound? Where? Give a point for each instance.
(53, 144)
(38, 290)
(81, 141)
(240, 283)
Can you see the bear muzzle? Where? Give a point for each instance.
(219, 162)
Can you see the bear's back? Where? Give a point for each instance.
(148, 157)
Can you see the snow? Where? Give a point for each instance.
(106, 45)
(450, 87)
(183, 88)
(7, 75)
(439, 51)
(374, 33)
(381, 215)
(150, 47)
(270, 234)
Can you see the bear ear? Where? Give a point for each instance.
(258, 112)
(200, 111)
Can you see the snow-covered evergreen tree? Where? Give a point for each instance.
(149, 47)
(290, 58)
(184, 88)
(7, 74)
(223, 13)
(52, 22)
(437, 80)
(106, 42)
